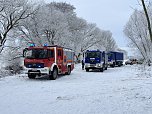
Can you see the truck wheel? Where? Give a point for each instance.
(119, 64)
(112, 66)
(101, 69)
(69, 71)
(87, 70)
(31, 76)
(105, 68)
(54, 74)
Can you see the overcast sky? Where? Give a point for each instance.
(107, 14)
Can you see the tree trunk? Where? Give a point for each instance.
(148, 20)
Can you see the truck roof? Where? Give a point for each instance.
(94, 50)
(114, 52)
(45, 47)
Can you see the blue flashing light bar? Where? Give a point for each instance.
(45, 45)
(32, 45)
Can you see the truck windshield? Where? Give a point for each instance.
(93, 54)
(36, 54)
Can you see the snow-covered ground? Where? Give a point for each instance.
(119, 90)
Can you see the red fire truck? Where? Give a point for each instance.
(48, 60)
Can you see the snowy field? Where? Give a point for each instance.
(115, 91)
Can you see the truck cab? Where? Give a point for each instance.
(95, 59)
(48, 60)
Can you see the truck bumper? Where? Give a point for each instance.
(38, 71)
(93, 66)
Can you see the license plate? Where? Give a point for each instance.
(34, 69)
(92, 65)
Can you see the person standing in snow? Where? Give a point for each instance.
(82, 64)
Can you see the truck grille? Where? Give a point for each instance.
(92, 61)
(35, 65)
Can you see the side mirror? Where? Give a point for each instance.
(24, 51)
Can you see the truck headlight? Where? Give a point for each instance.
(86, 64)
(44, 70)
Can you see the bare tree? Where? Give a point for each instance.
(47, 25)
(137, 31)
(108, 43)
(57, 23)
(11, 13)
(11, 57)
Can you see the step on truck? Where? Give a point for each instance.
(115, 58)
(48, 60)
(95, 59)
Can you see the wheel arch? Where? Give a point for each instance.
(54, 65)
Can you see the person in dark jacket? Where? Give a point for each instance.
(82, 64)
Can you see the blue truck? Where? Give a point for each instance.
(115, 58)
(95, 59)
